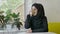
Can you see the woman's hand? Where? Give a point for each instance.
(29, 30)
(30, 13)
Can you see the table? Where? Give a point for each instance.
(22, 31)
(37, 33)
(9, 31)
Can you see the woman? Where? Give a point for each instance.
(36, 21)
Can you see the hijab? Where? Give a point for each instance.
(40, 12)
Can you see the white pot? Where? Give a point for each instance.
(8, 27)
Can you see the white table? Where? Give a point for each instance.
(22, 31)
(9, 31)
(37, 33)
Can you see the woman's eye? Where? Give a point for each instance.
(34, 9)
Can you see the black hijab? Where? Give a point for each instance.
(40, 12)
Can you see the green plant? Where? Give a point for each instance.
(15, 17)
(2, 21)
(9, 16)
(16, 20)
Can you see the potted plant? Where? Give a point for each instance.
(4, 20)
(2, 23)
(15, 17)
(16, 20)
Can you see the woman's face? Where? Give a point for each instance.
(34, 10)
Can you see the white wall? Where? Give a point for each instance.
(27, 7)
(52, 9)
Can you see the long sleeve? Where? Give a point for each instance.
(27, 22)
(45, 26)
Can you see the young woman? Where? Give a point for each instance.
(36, 21)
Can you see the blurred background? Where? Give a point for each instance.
(14, 12)
(52, 11)
(11, 14)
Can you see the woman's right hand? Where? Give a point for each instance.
(29, 30)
